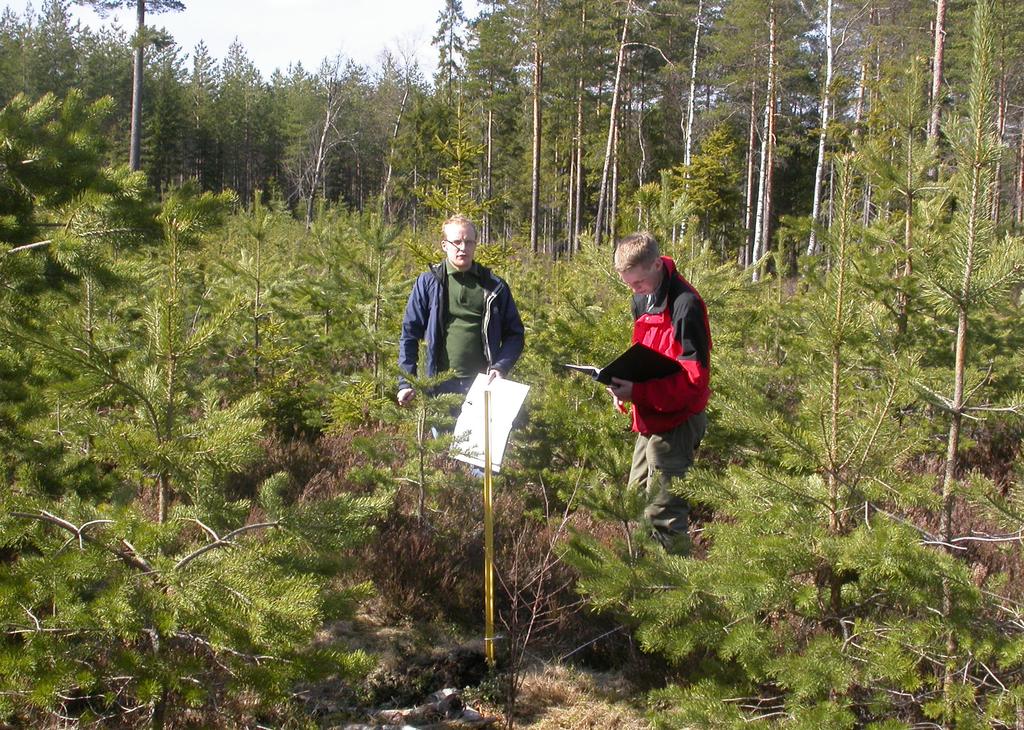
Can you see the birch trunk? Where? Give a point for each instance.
(603, 195)
(769, 176)
(756, 245)
(693, 84)
(748, 213)
(690, 105)
(320, 155)
(764, 187)
(826, 97)
(386, 188)
(858, 107)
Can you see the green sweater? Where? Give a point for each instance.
(464, 343)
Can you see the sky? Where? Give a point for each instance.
(276, 33)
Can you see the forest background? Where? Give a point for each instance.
(211, 500)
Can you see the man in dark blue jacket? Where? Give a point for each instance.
(466, 315)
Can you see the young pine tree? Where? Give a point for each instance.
(970, 272)
(811, 600)
(193, 600)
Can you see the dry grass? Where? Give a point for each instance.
(552, 696)
(561, 697)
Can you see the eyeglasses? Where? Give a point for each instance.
(461, 242)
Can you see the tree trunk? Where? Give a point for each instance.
(386, 188)
(321, 151)
(748, 203)
(570, 198)
(489, 176)
(637, 100)
(858, 107)
(844, 223)
(769, 175)
(767, 142)
(693, 84)
(975, 211)
(937, 60)
(690, 104)
(577, 219)
(538, 79)
(756, 246)
(613, 191)
(1019, 192)
(135, 149)
(603, 195)
(163, 493)
(826, 97)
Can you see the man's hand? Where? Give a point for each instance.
(621, 390)
(405, 396)
(493, 374)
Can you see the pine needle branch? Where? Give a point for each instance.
(945, 403)
(596, 639)
(928, 538)
(1016, 408)
(1017, 536)
(795, 494)
(256, 659)
(218, 541)
(130, 556)
(869, 441)
(93, 359)
(30, 246)
(208, 530)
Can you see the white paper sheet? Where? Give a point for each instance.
(507, 398)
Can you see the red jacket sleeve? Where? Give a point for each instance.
(688, 390)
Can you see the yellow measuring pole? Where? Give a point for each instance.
(488, 536)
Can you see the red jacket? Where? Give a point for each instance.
(680, 330)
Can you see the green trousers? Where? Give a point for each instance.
(658, 459)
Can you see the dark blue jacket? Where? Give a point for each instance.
(427, 310)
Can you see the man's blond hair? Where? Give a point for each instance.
(461, 220)
(636, 249)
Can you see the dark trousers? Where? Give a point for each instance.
(658, 458)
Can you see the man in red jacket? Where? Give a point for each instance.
(668, 413)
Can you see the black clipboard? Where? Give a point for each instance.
(637, 364)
